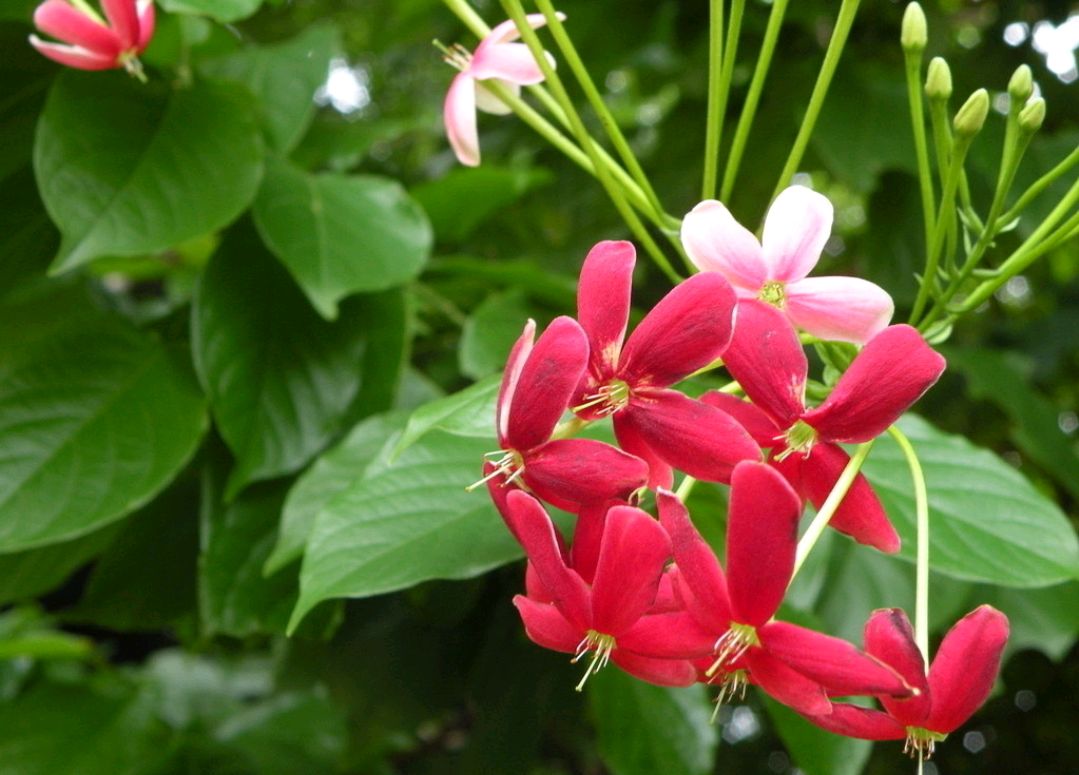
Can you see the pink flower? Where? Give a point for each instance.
(890, 373)
(774, 270)
(687, 330)
(496, 57)
(93, 43)
(959, 680)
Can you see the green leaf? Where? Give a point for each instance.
(815, 751)
(26, 575)
(1042, 619)
(405, 522)
(987, 523)
(644, 728)
(97, 417)
(280, 378)
(340, 234)
(284, 78)
(490, 332)
(222, 10)
(126, 169)
(469, 412)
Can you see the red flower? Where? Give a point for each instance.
(95, 43)
(890, 373)
(537, 385)
(797, 666)
(959, 680)
(686, 331)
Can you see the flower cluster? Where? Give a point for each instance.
(650, 594)
(91, 42)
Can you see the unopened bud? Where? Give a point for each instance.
(1021, 86)
(938, 81)
(1032, 115)
(914, 33)
(970, 118)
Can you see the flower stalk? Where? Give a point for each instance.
(921, 510)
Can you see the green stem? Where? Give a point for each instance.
(714, 122)
(831, 503)
(463, 11)
(917, 116)
(847, 11)
(1040, 185)
(921, 510)
(685, 488)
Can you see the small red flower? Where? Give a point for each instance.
(93, 43)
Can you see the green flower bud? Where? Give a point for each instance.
(970, 118)
(914, 33)
(1032, 115)
(1021, 86)
(938, 81)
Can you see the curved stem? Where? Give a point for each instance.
(917, 117)
(1040, 185)
(921, 510)
(714, 120)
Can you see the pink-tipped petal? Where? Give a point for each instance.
(631, 559)
(843, 309)
(64, 22)
(795, 230)
(762, 534)
(124, 19)
(459, 118)
(767, 360)
(73, 56)
(832, 662)
(786, 684)
(885, 379)
(587, 537)
(660, 473)
(147, 23)
(863, 723)
(546, 626)
(890, 638)
(705, 442)
(515, 364)
(698, 568)
(716, 242)
(603, 299)
(757, 424)
(547, 382)
(661, 672)
(510, 62)
(507, 30)
(673, 635)
(687, 330)
(965, 667)
(569, 473)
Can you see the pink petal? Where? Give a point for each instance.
(459, 118)
(762, 534)
(534, 586)
(546, 626)
(546, 383)
(786, 684)
(569, 473)
(674, 635)
(965, 667)
(885, 379)
(124, 20)
(669, 593)
(795, 230)
(73, 56)
(844, 309)
(687, 330)
(890, 638)
(661, 672)
(832, 662)
(863, 723)
(698, 568)
(767, 360)
(660, 473)
(756, 423)
(511, 376)
(510, 62)
(603, 299)
(70, 25)
(147, 23)
(631, 558)
(705, 442)
(587, 536)
(507, 30)
(715, 242)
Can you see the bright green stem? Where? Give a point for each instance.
(847, 11)
(1040, 185)
(685, 488)
(753, 98)
(917, 116)
(463, 11)
(831, 503)
(714, 122)
(921, 510)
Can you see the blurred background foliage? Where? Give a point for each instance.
(151, 639)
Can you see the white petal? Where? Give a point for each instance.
(795, 230)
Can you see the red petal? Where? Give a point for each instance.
(762, 535)
(571, 472)
(661, 672)
(786, 684)
(889, 638)
(863, 723)
(965, 667)
(147, 23)
(603, 297)
(64, 22)
(660, 474)
(674, 635)
(534, 587)
(832, 662)
(547, 383)
(687, 330)
(124, 20)
(546, 626)
(587, 536)
(73, 56)
(756, 422)
(691, 436)
(669, 593)
(885, 379)
(698, 567)
(767, 360)
(511, 377)
(631, 559)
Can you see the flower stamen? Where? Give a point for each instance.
(773, 292)
(732, 645)
(734, 685)
(800, 438)
(601, 646)
(612, 396)
(510, 465)
(456, 56)
(921, 742)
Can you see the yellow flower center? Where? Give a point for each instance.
(773, 292)
(601, 645)
(610, 398)
(800, 438)
(922, 742)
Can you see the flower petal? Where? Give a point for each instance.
(124, 20)
(603, 299)
(489, 102)
(716, 242)
(660, 473)
(786, 684)
(767, 360)
(546, 383)
(587, 537)
(507, 30)
(147, 23)
(844, 309)
(890, 638)
(673, 635)
(965, 667)
(705, 442)
(510, 62)
(64, 22)
(631, 559)
(762, 534)
(757, 423)
(885, 379)
(511, 375)
(569, 473)
(459, 118)
(546, 626)
(863, 723)
(661, 672)
(73, 56)
(688, 329)
(795, 230)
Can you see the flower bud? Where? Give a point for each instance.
(970, 118)
(1032, 115)
(938, 81)
(914, 32)
(1021, 86)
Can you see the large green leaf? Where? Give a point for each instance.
(95, 417)
(25, 575)
(815, 751)
(469, 412)
(222, 10)
(126, 169)
(489, 333)
(643, 728)
(987, 523)
(340, 234)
